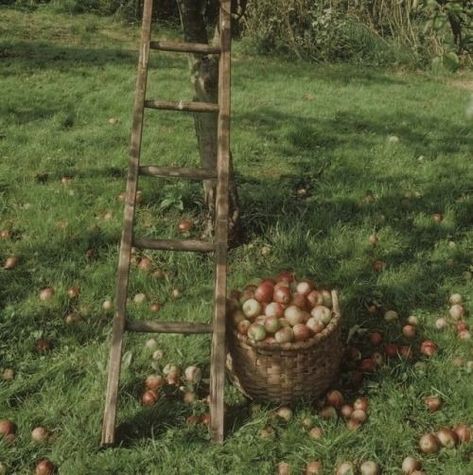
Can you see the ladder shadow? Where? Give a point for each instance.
(44, 55)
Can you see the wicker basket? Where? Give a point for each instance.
(284, 373)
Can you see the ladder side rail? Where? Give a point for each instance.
(119, 321)
(217, 377)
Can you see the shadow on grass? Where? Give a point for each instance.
(340, 74)
(172, 414)
(38, 55)
(313, 147)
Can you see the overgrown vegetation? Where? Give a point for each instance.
(324, 156)
(374, 31)
(418, 33)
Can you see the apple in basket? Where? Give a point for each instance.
(277, 310)
(256, 332)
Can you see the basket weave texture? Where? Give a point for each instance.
(285, 373)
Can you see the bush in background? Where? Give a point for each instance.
(374, 31)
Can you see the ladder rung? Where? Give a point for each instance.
(192, 173)
(181, 47)
(191, 245)
(168, 327)
(185, 106)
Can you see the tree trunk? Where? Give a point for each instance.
(204, 78)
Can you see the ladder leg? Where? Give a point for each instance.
(118, 329)
(217, 362)
(217, 365)
(111, 398)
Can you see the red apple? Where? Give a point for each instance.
(300, 301)
(7, 428)
(314, 298)
(376, 338)
(185, 225)
(379, 265)
(145, 264)
(282, 295)
(409, 331)
(433, 403)
(367, 365)
(149, 398)
(334, 398)
(44, 467)
(391, 350)
(428, 348)
(274, 309)
(463, 432)
(301, 332)
(264, 292)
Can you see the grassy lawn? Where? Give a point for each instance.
(310, 143)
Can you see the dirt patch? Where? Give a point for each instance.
(462, 83)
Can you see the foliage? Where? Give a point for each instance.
(373, 30)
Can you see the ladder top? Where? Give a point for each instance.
(181, 47)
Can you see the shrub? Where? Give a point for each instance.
(363, 30)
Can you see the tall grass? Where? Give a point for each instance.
(374, 31)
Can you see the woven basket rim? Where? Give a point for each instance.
(302, 345)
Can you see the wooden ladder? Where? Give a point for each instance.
(220, 245)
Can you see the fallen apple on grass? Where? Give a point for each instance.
(40, 434)
(45, 467)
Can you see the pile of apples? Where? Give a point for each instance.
(186, 381)
(456, 318)
(281, 310)
(446, 437)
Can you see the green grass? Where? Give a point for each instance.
(322, 128)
